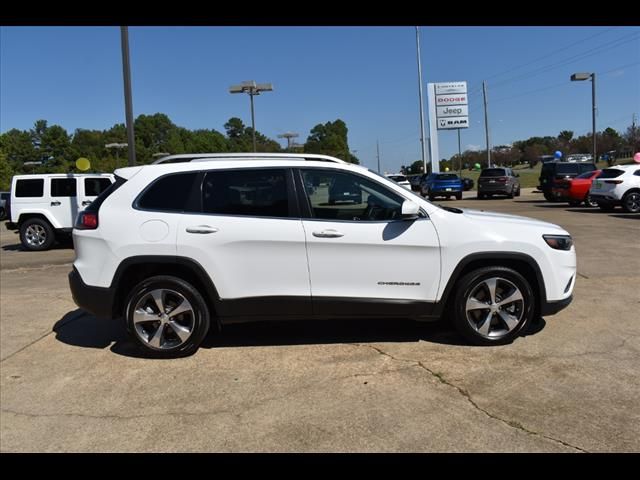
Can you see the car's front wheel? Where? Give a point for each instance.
(167, 317)
(493, 305)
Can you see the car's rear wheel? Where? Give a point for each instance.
(589, 202)
(459, 196)
(167, 317)
(36, 234)
(518, 191)
(574, 203)
(493, 305)
(631, 202)
(549, 197)
(480, 196)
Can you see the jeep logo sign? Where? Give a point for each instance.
(453, 111)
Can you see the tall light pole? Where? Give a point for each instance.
(252, 88)
(424, 150)
(486, 123)
(577, 77)
(128, 103)
(117, 146)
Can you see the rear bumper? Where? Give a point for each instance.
(551, 308)
(608, 199)
(95, 300)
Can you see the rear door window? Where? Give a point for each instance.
(170, 193)
(255, 193)
(63, 187)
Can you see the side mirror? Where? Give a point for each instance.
(410, 210)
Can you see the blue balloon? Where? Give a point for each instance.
(558, 154)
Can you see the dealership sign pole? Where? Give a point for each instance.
(448, 109)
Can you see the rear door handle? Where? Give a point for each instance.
(86, 202)
(202, 229)
(329, 233)
(55, 204)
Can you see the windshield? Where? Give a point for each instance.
(493, 172)
(398, 178)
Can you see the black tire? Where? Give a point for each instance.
(588, 202)
(522, 310)
(511, 193)
(518, 191)
(480, 196)
(2, 213)
(631, 202)
(36, 234)
(431, 197)
(195, 322)
(606, 207)
(459, 196)
(549, 197)
(574, 203)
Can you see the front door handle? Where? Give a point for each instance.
(329, 233)
(202, 229)
(55, 204)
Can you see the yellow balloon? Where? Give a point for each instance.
(83, 163)
(446, 169)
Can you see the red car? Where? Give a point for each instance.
(575, 190)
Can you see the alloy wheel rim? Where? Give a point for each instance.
(633, 202)
(36, 235)
(163, 319)
(494, 307)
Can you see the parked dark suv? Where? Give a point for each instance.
(498, 181)
(555, 171)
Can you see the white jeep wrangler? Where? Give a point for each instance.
(44, 207)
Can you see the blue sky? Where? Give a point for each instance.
(367, 76)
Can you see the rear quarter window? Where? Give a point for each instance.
(30, 188)
(170, 193)
(611, 173)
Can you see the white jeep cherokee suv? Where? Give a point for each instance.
(227, 238)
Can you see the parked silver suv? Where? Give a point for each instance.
(498, 181)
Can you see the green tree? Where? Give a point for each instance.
(18, 147)
(330, 139)
(6, 172)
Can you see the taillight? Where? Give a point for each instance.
(87, 221)
(616, 182)
(501, 179)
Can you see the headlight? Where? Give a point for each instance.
(559, 242)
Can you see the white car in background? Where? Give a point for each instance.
(617, 186)
(400, 179)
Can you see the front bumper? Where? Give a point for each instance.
(551, 308)
(96, 300)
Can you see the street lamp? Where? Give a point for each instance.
(577, 77)
(252, 88)
(116, 146)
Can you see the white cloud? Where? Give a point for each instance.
(474, 148)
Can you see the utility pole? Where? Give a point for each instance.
(126, 73)
(486, 122)
(424, 154)
(459, 154)
(378, 148)
(593, 116)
